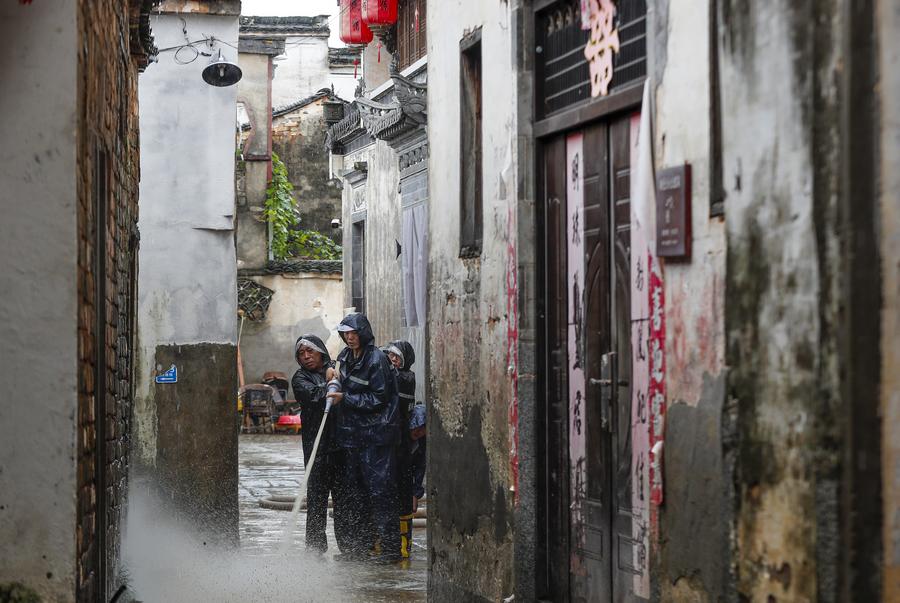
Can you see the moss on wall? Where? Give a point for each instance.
(16, 592)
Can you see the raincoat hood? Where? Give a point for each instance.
(405, 350)
(370, 409)
(359, 323)
(315, 343)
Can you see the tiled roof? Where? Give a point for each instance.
(285, 25)
(344, 57)
(322, 93)
(297, 267)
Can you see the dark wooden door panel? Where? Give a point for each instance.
(597, 338)
(626, 562)
(591, 550)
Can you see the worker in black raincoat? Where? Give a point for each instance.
(402, 357)
(368, 430)
(309, 389)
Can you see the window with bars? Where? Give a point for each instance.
(411, 42)
(563, 75)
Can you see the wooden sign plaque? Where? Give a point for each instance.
(673, 212)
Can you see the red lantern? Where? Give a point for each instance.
(353, 28)
(379, 13)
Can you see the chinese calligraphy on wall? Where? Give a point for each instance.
(602, 44)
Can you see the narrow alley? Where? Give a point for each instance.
(457, 301)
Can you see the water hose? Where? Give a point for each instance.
(281, 502)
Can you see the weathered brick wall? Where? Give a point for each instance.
(107, 147)
(298, 138)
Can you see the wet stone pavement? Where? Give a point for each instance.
(273, 465)
(167, 560)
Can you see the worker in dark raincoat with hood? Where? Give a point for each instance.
(402, 357)
(368, 430)
(309, 389)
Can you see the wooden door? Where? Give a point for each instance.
(587, 341)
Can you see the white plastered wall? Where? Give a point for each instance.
(188, 267)
(38, 315)
(303, 69)
(694, 290)
(303, 303)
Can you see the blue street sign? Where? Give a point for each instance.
(170, 376)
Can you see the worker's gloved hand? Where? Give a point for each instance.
(333, 388)
(334, 395)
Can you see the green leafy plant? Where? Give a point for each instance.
(281, 212)
(312, 245)
(280, 208)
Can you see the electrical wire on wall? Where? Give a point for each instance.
(220, 72)
(188, 52)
